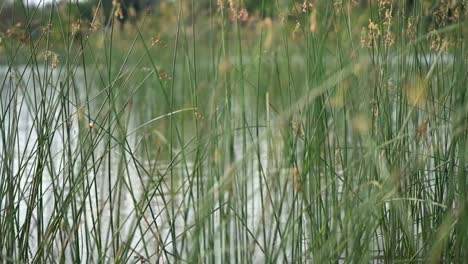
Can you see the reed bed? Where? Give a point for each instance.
(324, 134)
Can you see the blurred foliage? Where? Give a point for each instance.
(83, 11)
(266, 7)
(65, 18)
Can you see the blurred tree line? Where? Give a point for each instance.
(42, 12)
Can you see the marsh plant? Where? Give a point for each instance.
(227, 131)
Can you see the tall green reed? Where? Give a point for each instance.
(298, 138)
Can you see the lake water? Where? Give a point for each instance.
(45, 156)
(40, 132)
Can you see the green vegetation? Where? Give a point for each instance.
(214, 133)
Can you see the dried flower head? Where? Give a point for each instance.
(437, 42)
(220, 5)
(387, 9)
(76, 28)
(232, 9)
(446, 12)
(388, 17)
(373, 28)
(372, 35)
(95, 25)
(384, 4)
(47, 28)
(24, 39)
(155, 41)
(118, 9)
(243, 15)
(55, 58)
(410, 29)
(338, 6)
(164, 76)
(455, 15)
(389, 39)
(307, 6)
(198, 115)
(10, 33)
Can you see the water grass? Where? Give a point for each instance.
(328, 133)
